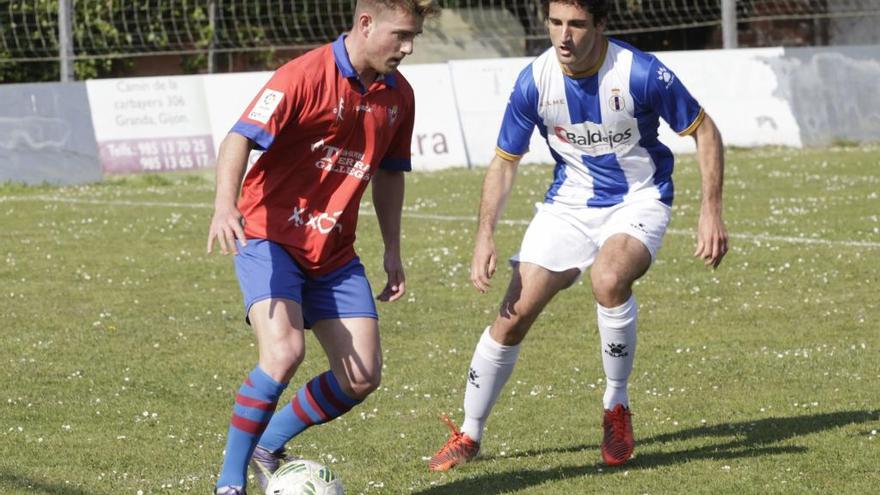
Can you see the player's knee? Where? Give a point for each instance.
(362, 385)
(283, 360)
(511, 329)
(610, 289)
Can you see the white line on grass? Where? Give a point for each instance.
(441, 218)
(750, 237)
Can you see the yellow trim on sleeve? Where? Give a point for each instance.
(697, 121)
(506, 156)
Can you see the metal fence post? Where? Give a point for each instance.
(728, 23)
(212, 22)
(65, 39)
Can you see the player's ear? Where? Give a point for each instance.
(365, 23)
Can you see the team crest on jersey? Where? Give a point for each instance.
(393, 112)
(616, 103)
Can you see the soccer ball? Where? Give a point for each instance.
(302, 477)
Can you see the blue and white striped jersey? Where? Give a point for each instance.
(601, 126)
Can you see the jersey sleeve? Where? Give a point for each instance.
(520, 117)
(272, 108)
(398, 156)
(669, 98)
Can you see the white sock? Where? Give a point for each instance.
(490, 368)
(617, 332)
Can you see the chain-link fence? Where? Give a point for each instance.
(105, 36)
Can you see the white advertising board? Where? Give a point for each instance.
(150, 124)
(173, 123)
(228, 95)
(437, 140)
(482, 88)
(739, 90)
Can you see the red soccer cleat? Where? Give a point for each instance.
(618, 443)
(459, 449)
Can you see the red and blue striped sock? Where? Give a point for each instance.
(318, 401)
(254, 406)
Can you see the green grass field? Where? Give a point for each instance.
(122, 344)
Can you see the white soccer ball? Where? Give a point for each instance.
(302, 477)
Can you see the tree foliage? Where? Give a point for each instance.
(107, 34)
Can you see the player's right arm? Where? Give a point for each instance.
(517, 126)
(226, 225)
(496, 189)
(273, 108)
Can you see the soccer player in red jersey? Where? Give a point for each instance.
(328, 123)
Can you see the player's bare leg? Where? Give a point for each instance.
(355, 357)
(354, 353)
(530, 289)
(278, 325)
(620, 262)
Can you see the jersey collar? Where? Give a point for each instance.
(343, 63)
(592, 71)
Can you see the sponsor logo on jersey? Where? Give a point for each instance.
(548, 103)
(342, 161)
(594, 138)
(321, 221)
(664, 75)
(266, 105)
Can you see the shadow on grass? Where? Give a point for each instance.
(39, 487)
(750, 439)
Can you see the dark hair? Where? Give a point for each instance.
(597, 8)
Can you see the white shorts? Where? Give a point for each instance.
(560, 237)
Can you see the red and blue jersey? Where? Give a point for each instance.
(324, 136)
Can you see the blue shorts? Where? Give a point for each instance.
(265, 270)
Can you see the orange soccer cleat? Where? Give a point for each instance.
(618, 443)
(459, 449)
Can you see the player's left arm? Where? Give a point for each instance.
(666, 94)
(711, 233)
(388, 188)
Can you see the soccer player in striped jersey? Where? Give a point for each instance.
(329, 123)
(597, 101)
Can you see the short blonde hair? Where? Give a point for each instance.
(421, 8)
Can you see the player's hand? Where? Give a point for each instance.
(396, 285)
(226, 228)
(483, 262)
(711, 239)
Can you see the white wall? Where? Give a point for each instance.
(459, 106)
